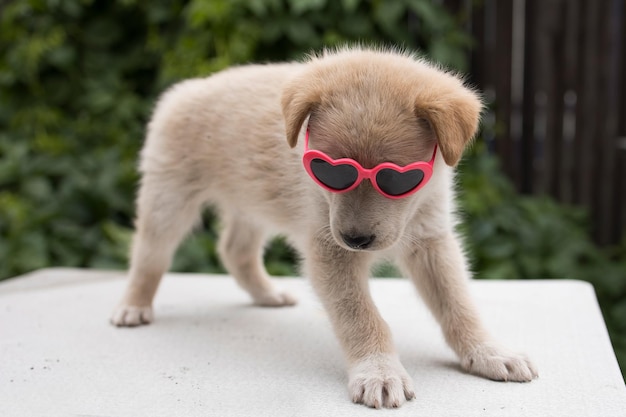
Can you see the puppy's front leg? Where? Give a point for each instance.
(438, 269)
(376, 376)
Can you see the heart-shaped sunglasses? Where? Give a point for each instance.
(345, 174)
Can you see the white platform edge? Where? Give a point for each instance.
(578, 377)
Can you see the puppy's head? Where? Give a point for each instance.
(376, 107)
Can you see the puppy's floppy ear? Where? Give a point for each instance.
(454, 116)
(299, 96)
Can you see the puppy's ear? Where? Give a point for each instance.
(454, 116)
(299, 97)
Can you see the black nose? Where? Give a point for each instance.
(358, 242)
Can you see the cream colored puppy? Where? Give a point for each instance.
(220, 141)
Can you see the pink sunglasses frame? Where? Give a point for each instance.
(364, 173)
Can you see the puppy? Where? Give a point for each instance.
(374, 136)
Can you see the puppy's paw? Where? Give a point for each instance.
(275, 299)
(131, 316)
(380, 381)
(500, 364)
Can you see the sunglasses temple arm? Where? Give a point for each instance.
(432, 160)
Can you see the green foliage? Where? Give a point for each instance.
(78, 79)
(73, 87)
(218, 33)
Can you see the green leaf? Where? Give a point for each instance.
(350, 6)
(388, 14)
(300, 31)
(298, 7)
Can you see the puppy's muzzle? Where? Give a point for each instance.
(358, 241)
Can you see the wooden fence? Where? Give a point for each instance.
(555, 72)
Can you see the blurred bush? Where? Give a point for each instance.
(78, 79)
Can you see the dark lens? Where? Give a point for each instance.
(337, 177)
(398, 183)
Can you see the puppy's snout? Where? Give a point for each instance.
(358, 241)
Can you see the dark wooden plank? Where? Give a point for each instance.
(543, 80)
(568, 172)
(517, 88)
(478, 58)
(610, 79)
(502, 85)
(587, 103)
(527, 150)
(555, 91)
(620, 191)
(489, 74)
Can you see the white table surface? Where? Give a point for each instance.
(211, 353)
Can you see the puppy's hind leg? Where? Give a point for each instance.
(165, 214)
(241, 252)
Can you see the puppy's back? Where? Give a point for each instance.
(221, 102)
(221, 133)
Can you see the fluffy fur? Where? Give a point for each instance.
(221, 141)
